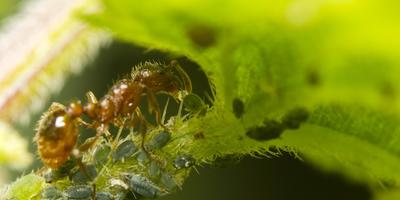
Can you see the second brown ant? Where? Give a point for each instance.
(57, 130)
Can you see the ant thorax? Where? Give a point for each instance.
(156, 77)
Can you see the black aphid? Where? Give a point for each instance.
(271, 129)
(124, 150)
(238, 107)
(184, 161)
(141, 185)
(79, 192)
(159, 140)
(293, 118)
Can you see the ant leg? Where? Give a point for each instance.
(86, 124)
(143, 126)
(164, 112)
(82, 166)
(88, 143)
(115, 141)
(91, 141)
(94, 191)
(183, 75)
(154, 107)
(91, 97)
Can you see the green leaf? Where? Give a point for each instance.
(26, 187)
(335, 57)
(13, 148)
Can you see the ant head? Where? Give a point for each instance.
(75, 109)
(186, 83)
(170, 79)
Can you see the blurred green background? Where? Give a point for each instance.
(272, 178)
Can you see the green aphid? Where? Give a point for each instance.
(51, 193)
(104, 196)
(81, 192)
(159, 140)
(168, 182)
(142, 157)
(101, 153)
(141, 185)
(124, 150)
(84, 175)
(154, 169)
(194, 104)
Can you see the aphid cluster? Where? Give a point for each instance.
(273, 129)
(151, 173)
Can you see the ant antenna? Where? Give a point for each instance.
(164, 112)
(180, 109)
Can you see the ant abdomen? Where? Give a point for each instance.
(56, 135)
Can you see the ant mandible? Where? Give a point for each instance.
(57, 130)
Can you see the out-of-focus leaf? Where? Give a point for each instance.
(26, 187)
(40, 46)
(13, 148)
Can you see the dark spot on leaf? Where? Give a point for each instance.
(388, 90)
(313, 77)
(388, 183)
(199, 135)
(238, 107)
(270, 130)
(293, 118)
(202, 35)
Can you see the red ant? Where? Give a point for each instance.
(57, 131)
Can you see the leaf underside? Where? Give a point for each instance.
(277, 56)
